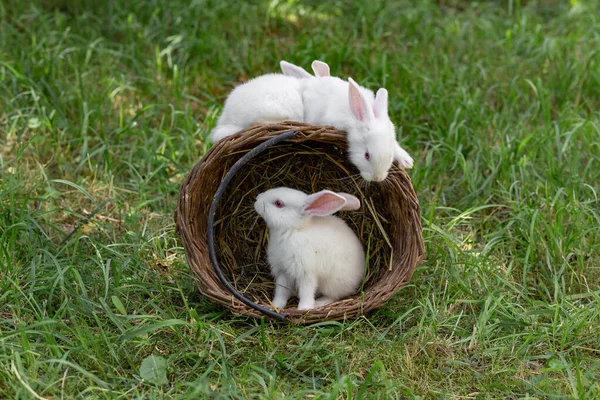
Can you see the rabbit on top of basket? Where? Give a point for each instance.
(310, 251)
(321, 100)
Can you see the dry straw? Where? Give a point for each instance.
(388, 222)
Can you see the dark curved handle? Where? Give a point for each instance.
(211, 220)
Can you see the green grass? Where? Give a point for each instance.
(105, 106)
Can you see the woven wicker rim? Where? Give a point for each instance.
(197, 195)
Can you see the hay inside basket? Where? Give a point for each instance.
(388, 223)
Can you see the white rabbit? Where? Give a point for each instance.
(266, 99)
(322, 100)
(310, 251)
(372, 144)
(269, 98)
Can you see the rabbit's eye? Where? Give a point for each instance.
(367, 156)
(278, 203)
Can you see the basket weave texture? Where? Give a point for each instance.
(388, 223)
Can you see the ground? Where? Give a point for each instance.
(105, 106)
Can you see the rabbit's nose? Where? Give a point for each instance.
(380, 177)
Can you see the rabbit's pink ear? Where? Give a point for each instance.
(352, 202)
(358, 104)
(380, 108)
(323, 203)
(290, 69)
(320, 68)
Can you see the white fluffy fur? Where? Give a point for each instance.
(310, 254)
(319, 100)
(266, 99)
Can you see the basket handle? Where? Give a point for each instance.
(239, 164)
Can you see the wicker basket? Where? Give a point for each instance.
(216, 222)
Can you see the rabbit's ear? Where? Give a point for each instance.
(289, 69)
(358, 104)
(352, 202)
(380, 107)
(323, 203)
(320, 68)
